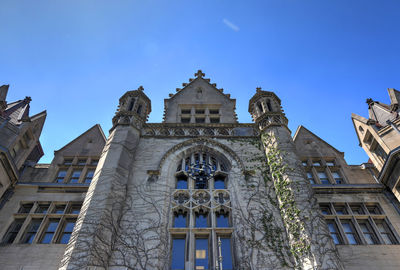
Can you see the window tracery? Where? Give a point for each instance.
(201, 213)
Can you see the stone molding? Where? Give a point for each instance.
(195, 130)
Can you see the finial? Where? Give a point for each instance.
(140, 88)
(27, 99)
(258, 89)
(199, 74)
(369, 101)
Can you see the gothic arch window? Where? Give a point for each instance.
(131, 104)
(139, 109)
(201, 216)
(260, 107)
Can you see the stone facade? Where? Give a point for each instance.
(198, 191)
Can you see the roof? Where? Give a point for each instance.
(299, 128)
(18, 111)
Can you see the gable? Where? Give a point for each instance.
(310, 145)
(89, 143)
(200, 93)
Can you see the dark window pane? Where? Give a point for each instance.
(201, 254)
(59, 209)
(94, 162)
(31, 231)
(68, 161)
(42, 208)
(25, 208)
(82, 162)
(226, 253)
(214, 111)
(185, 120)
(214, 120)
(200, 120)
(12, 231)
(66, 234)
(178, 254)
(75, 209)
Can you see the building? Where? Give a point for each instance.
(197, 191)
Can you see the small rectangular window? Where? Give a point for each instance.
(385, 232)
(59, 209)
(334, 232)
(367, 232)
(50, 230)
(68, 161)
(25, 208)
(325, 209)
(178, 254)
(89, 176)
(75, 208)
(31, 231)
(349, 232)
(357, 209)
(200, 120)
(200, 111)
(310, 177)
(214, 120)
(61, 176)
(67, 231)
(340, 209)
(185, 120)
(76, 174)
(338, 178)
(316, 163)
(42, 208)
(186, 111)
(94, 162)
(12, 231)
(330, 163)
(214, 111)
(374, 209)
(323, 178)
(82, 162)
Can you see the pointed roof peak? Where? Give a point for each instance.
(199, 74)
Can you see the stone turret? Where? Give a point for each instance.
(134, 108)
(107, 193)
(311, 244)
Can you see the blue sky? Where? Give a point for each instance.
(322, 58)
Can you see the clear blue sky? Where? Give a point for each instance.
(322, 58)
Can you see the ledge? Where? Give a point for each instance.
(56, 187)
(348, 188)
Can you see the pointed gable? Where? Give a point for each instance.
(394, 98)
(310, 145)
(360, 125)
(89, 143)
(201, 95)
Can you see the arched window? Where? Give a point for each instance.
(139, 109)
(131, 104)
(201, 212)
(269, 105)
(260, 107)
